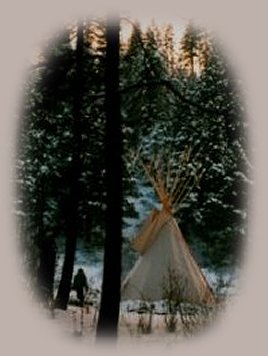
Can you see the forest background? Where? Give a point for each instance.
(173, 95)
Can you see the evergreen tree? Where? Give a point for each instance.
(40, 170)
(219, 212)
(189, 50)
(47, 148)
(169, 100)
(167, 48)
(72, 204)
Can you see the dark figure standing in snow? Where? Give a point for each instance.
(80, 285)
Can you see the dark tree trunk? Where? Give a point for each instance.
(46, 269)
(111, 285)
(71, 208)
(47, 251)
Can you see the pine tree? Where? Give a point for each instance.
(167, 48)
(72, 207)
(40, 169)
(189, 50)
(220, 212)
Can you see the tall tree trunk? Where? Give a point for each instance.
(111, 285)
(47, 269)
(47, 251)
(71, 208)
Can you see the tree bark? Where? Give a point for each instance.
(111, 285)
(47, 251)
(71, 208)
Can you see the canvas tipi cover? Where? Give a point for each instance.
(163, 249)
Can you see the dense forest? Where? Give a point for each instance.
(93, 106)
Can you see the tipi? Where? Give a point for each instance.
(162, 247)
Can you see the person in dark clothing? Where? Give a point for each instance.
(80, 285)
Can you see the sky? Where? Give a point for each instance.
(178, 25)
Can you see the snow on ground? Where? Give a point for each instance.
(142, 327)
(90, 262)
(223, 282)
(81, 322)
